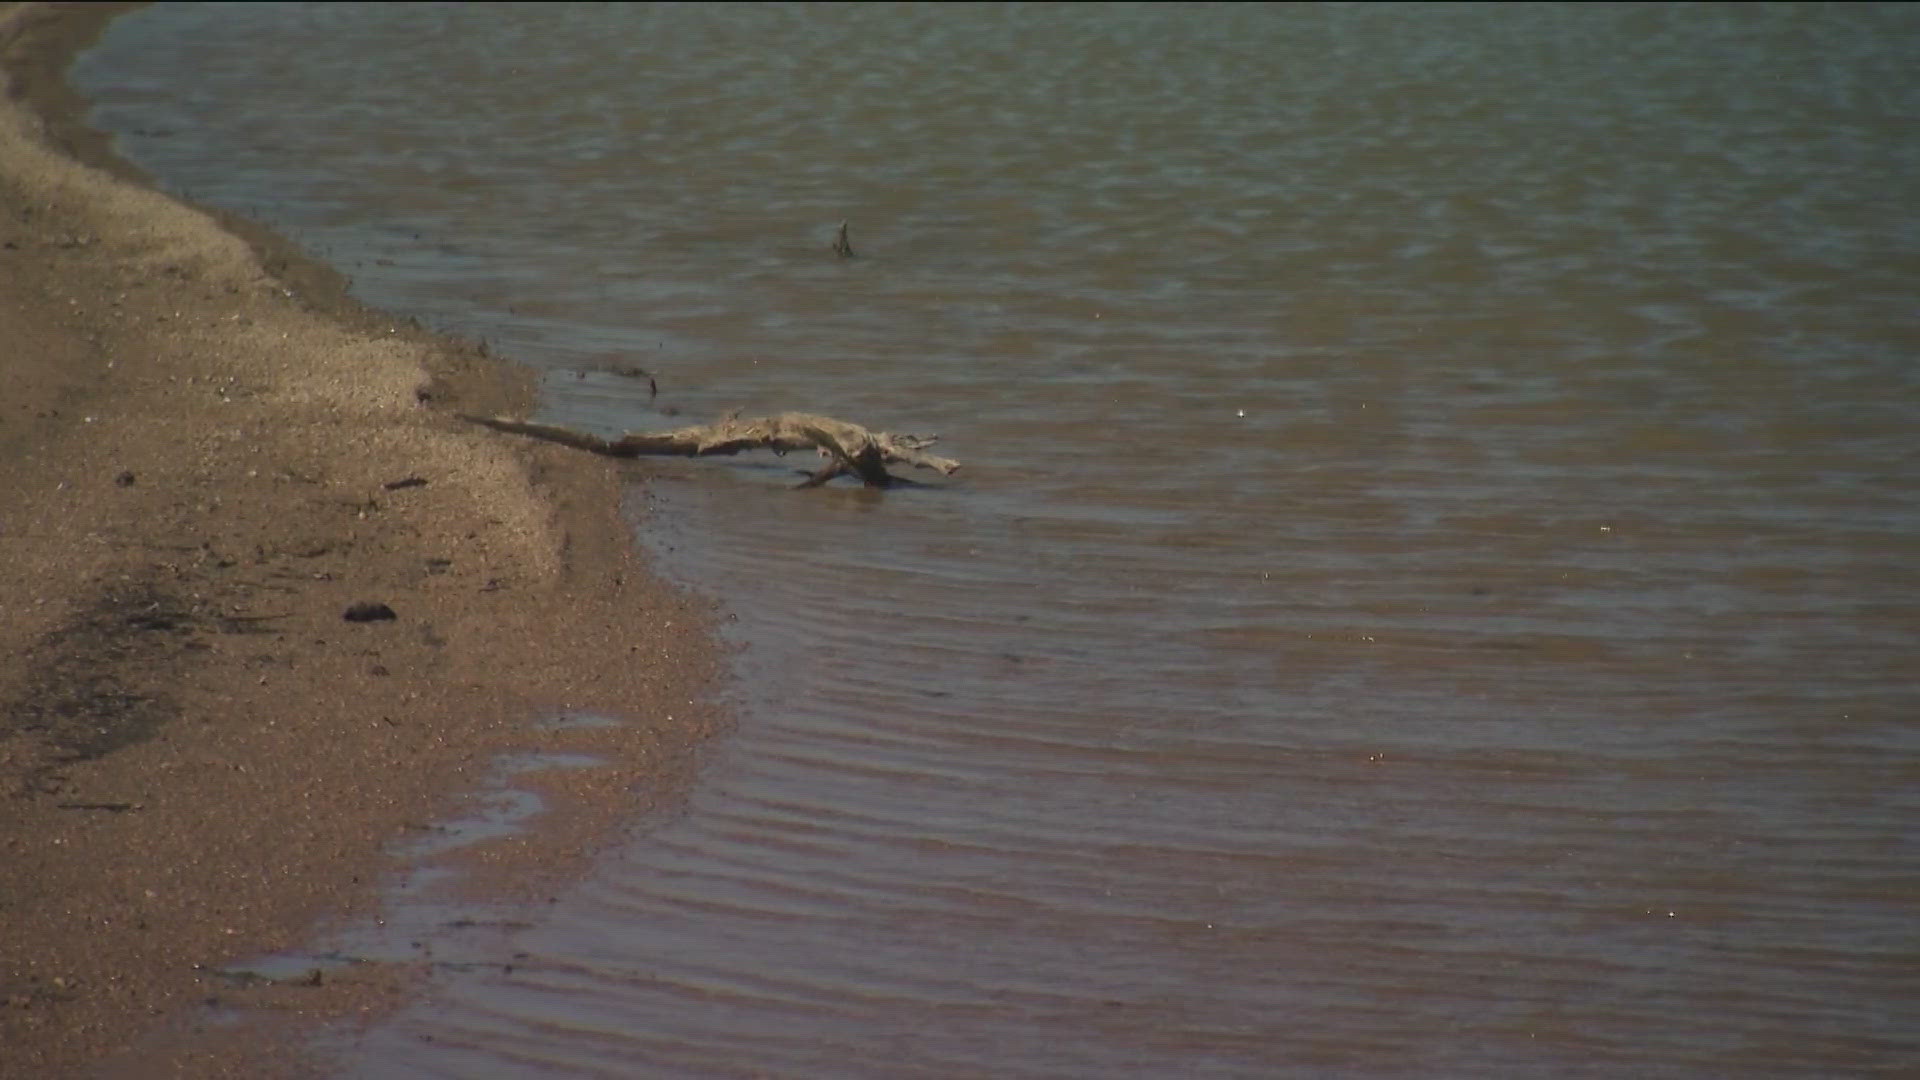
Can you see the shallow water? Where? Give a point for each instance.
(1432, 590)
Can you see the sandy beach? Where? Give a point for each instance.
(208, 454)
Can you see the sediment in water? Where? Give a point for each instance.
(200, 758)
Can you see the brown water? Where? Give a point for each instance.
(1433, 591)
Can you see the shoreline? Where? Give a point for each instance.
(208, 454)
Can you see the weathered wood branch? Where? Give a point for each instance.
(850, 449)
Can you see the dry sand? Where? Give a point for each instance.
(200, 759)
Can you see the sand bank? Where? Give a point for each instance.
(207, 454)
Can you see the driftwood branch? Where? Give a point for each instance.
(849, 449)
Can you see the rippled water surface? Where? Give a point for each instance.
(1433, 588)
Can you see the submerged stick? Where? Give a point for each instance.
(849, 448)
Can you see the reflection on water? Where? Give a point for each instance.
(1432, 591)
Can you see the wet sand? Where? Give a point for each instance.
(207, 455)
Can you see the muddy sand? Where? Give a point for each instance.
(207, 456)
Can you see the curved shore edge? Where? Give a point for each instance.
(208, 453)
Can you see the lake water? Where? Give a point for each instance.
(1435, 585)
